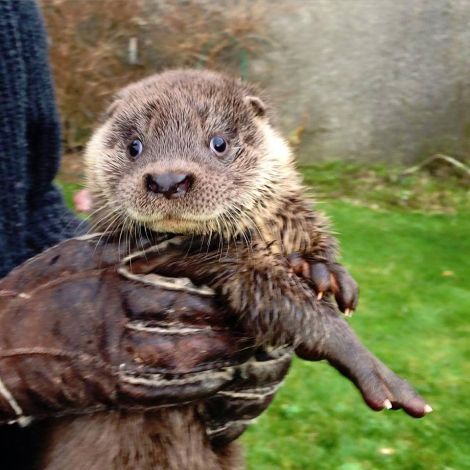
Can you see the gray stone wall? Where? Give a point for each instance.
(383, 80)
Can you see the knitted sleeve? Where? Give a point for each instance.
(33, 215)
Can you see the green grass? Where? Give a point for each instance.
(69, 190)
(414, 273)
(377, 186)
(413, 266)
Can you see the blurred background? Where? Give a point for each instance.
(374, 96)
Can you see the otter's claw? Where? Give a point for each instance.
(328, 278)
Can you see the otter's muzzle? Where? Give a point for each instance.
(171, 185)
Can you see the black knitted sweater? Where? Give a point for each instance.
(33, 215)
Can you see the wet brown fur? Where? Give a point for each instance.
(136, 441)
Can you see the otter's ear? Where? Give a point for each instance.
(257, 105)
(110, 110)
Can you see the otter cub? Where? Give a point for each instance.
(194, 153)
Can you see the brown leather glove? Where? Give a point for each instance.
(77, 336)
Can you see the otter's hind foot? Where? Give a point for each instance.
(381, 388)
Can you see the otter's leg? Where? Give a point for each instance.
(277, 307)
(380, 387)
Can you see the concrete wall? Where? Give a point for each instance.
(384, 80)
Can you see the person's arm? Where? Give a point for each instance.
(33, 215)
(49, 220)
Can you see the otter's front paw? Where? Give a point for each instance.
(328, 278)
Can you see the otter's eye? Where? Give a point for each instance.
(135, 148)
(218, 145)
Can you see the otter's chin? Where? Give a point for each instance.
(172, 223)
(169, 225)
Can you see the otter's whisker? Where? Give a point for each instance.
(113, 222)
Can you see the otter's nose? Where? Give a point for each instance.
(171, 185)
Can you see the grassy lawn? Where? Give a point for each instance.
(408, 245)
(414, 273)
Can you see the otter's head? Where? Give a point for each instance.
(187, 152)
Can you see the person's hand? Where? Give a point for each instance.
(76, 335)
(82, 201)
